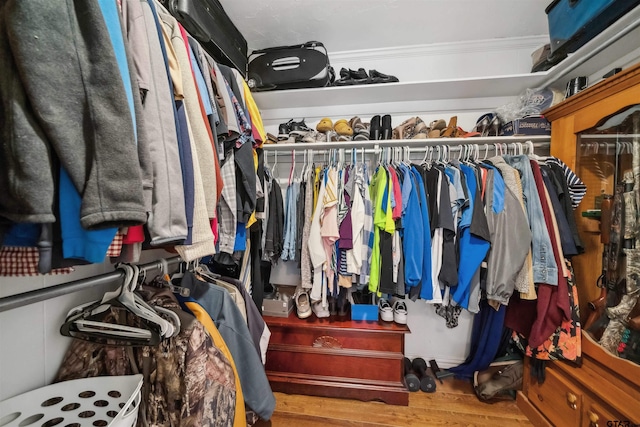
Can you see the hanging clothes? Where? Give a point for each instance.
(217, 302)
(177, 391)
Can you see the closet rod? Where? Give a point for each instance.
(26, 298)
(409, 142)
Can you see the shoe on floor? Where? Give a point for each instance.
(400, 312)
(385, 309)
(303, 305)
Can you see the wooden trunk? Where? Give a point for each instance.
(337, 357)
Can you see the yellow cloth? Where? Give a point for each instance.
(254, 113)
(174, 67)
(240, 419)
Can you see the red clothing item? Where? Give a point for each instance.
(396, 212)
(135, 234)
(553, 301)
(214, 229)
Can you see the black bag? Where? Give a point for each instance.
(208, 23)
(290, 67)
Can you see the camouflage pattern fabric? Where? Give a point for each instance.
(613, 332)
(187, 380)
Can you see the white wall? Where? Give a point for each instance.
(31, 346)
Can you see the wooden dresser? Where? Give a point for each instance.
(335, 357)
(605, 389)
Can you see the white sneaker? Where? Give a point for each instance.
(319, 310)
(386, 312)
(400, 312)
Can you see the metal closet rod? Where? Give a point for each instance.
(38, 295)
(539, 141)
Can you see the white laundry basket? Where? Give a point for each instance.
(100, 401)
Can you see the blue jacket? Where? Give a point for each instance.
(412, 232)
(426, 291)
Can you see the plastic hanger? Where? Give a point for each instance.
(87, 321)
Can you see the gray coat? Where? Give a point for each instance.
(77, 110)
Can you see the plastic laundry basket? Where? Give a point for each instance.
(100, 401)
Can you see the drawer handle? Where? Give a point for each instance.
(593, 419)
(571, 400)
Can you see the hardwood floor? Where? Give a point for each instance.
(453, 404)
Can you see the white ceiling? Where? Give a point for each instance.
(345, 25)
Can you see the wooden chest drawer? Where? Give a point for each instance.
(337, 358)
(346, 363)
(329, 337)
(557, 399)
(596, 414)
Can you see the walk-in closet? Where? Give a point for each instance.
(319, 213)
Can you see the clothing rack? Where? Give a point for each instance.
(539, 141)
(38, 295)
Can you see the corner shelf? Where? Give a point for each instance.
(606, 49)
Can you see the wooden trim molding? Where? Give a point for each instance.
(600, 91)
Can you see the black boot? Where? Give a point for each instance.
(386, 127)
(375, 128)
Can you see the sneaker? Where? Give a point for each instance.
(386, 312)
(378, 77)
(283, 130)
(400, 312)
(319, 310)
(303, 306)
(299, 127)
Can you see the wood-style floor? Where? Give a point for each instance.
(453, 404)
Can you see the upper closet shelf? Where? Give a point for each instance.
(480, 87)
(615, 46)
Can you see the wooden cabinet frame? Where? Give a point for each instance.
(606, 382)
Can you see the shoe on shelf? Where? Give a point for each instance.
(303, 305)
(451, 131)
(307, 137)
(283, 130)
(437, 128)
(324, 125)
(271, 139)
(386, 130)
(420, 131)
(375, 128)
(378, 77)
(342, 128)
(385, 309)
(405, 130)
(400, 312)
(360, 130)
(319, 310)
(359, 77)
(299, 127)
